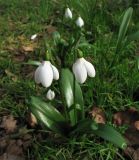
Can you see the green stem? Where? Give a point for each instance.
(63, 102)
(74, 93)
(78, 36)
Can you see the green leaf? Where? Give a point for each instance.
(52, 125)
(50, 111)
(82, 127)
(123, 27)
(109, 133)
(36, 63)
(49, 116)
(104, 131)
(133, 37)
(67, 88)
(138, 62)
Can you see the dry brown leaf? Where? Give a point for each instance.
(32, 120)
(13, 152)
(13, 148)
(98, 115)
(9, 124)
(50, 29)
(126, 117)
(6, 156)
(3, 143)
(29, 48)
(117, 119)
(132, 153)
(136, 124)
(19, 57)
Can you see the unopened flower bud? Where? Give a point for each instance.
(50, 94)
(33, 37)
(80, 22)
(68, 13)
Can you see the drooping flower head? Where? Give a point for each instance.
(81, 68)
(45, 74)
(33, 37)
(80, 22)
(68, 13)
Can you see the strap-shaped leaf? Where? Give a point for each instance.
(52, 125)
(104, 131)
(107, 132)
(50, 111)
(49, 116)
(67, 88)
(123, 27)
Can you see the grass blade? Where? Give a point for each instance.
(123, 27)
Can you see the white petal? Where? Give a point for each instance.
(55, 72)
(90, 68)
(80, 71)
(79, 22)
(46, 74)
(33, 37)
(37, 76)
(50, 94)
(68, 13)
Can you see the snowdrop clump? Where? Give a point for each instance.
(81, 68)
(45, 74)
(68, 13)
(50, 94)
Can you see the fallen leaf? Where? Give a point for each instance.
(50, 29)
(126, 117)
(130, 117)
(136, 124)
(132, 153)
(6, 156)
(19, 57)
(32, 120)
(29, 48)
(117, 119)
(98, 115)
(3, 143)
(9, 124)
(13, 152)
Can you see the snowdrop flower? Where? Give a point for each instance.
(33, 37)
(68, 13)
(45, 74)
(50, 94)
(80, 22)
(81, 68)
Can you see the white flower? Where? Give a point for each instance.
(80, 22)
(50, 94)
(81, 68)
(68, 13)
(45, 74)
(33, 37)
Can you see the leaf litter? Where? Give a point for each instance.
(128, 118)
(14, 139)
